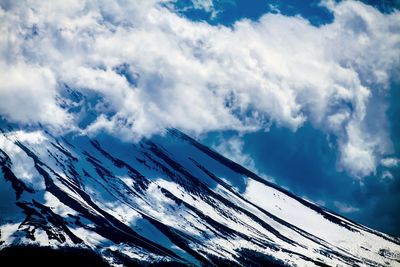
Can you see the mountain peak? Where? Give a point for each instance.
(166, 199)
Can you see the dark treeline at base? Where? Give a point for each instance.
(48, 257)
(36, 256)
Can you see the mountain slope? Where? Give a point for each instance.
(166, 199)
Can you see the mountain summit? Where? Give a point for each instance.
(167, 199)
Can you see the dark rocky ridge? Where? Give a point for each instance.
(168, 200)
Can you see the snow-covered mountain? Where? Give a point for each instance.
(166, 199)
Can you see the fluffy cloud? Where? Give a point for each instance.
(28, 95)
(154, 69)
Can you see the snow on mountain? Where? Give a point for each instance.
(166, 199)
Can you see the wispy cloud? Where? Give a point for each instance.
(233, 149)
(345, 208)
(198, 77)
(390, 162)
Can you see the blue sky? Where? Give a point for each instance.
(305, 161)
(304, 93)
(227, 12)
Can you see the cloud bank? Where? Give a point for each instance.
(151, 69)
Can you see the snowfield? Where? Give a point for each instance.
(167, 199)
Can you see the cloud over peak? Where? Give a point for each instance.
(153, 69)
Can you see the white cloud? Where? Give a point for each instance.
(345, 208)
(28, 95)
(207, 5)
(198, 77)
(204, 5)
(232, 148)
(390, 162)
(387, 176)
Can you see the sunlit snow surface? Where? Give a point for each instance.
(166, 199)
